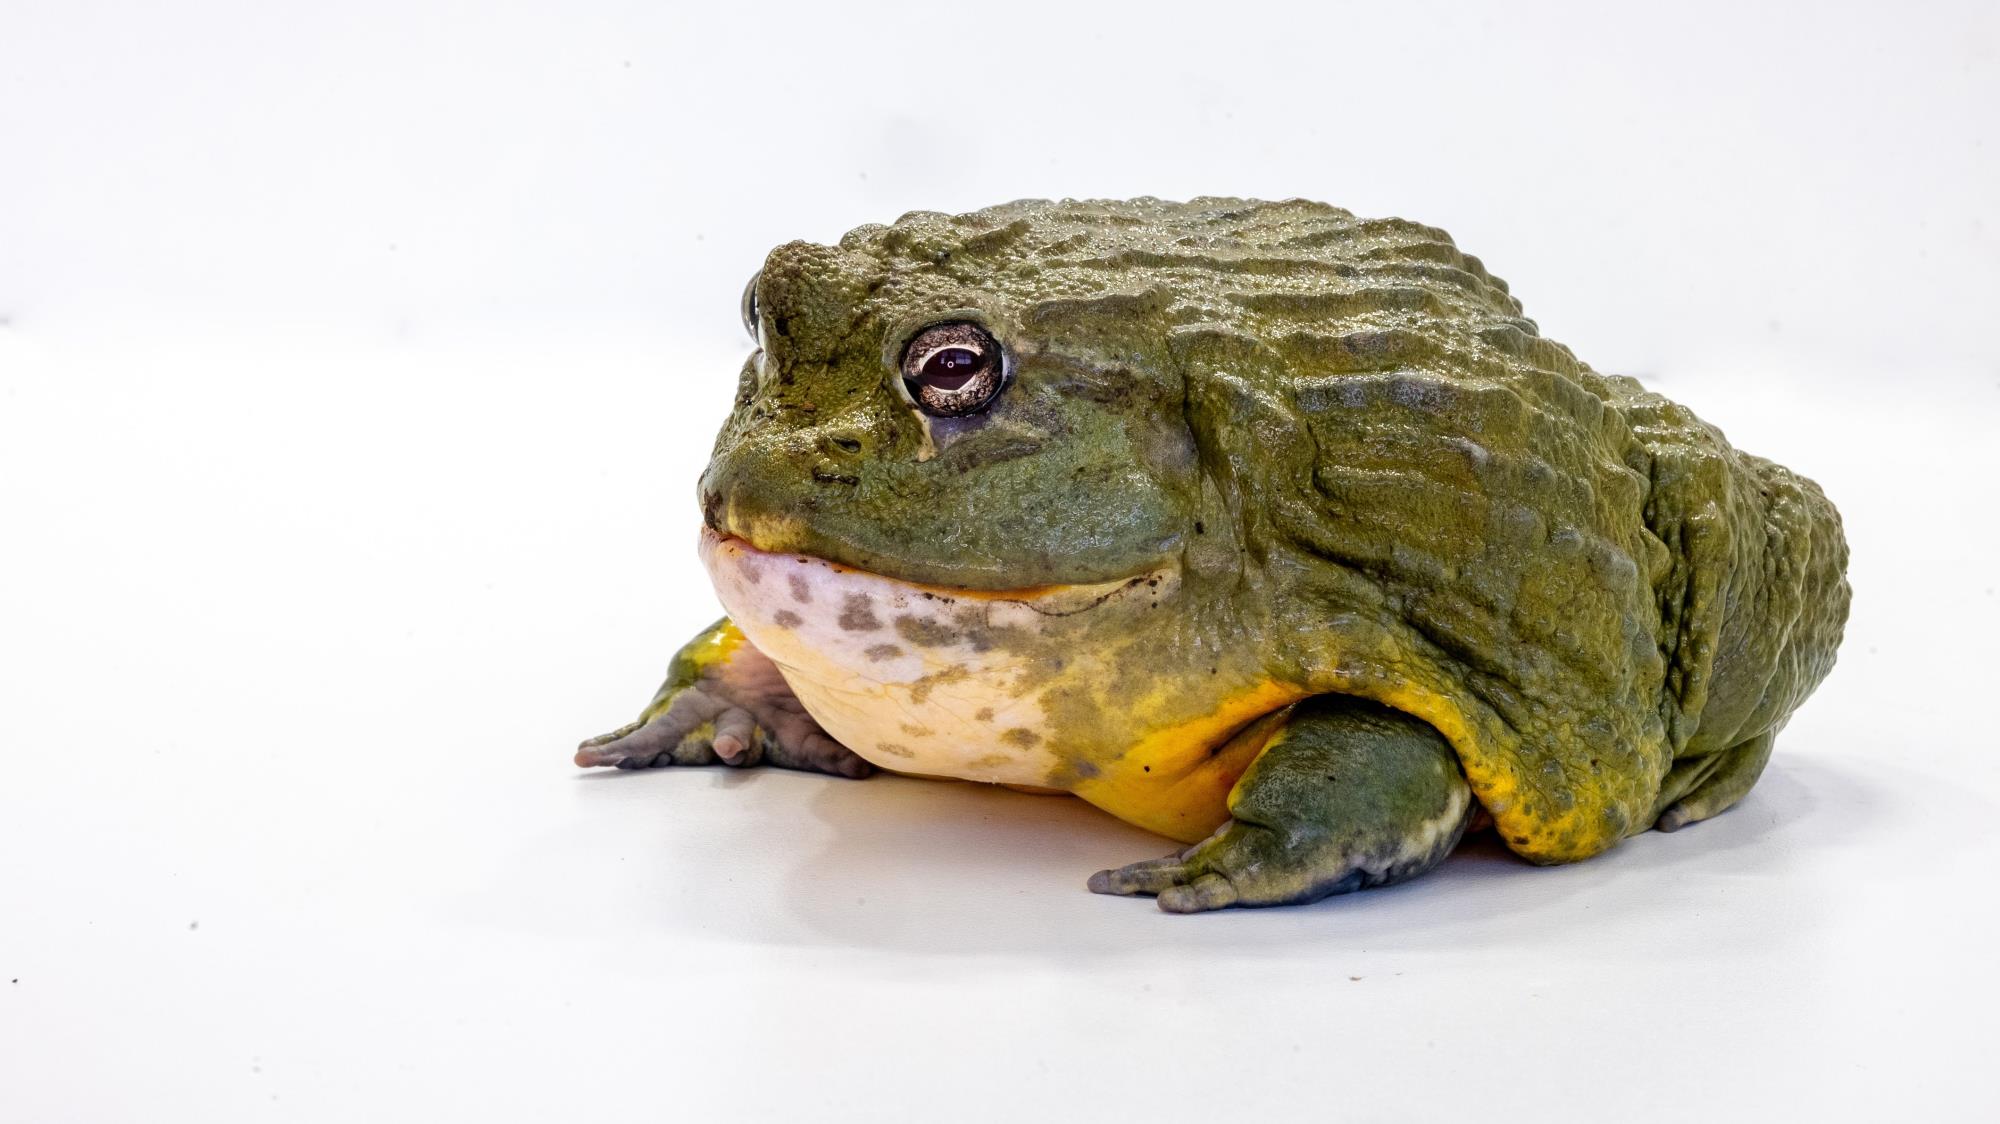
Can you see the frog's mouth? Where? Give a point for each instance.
(937, 550)
(740, 568)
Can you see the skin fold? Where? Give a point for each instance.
(1286, 536)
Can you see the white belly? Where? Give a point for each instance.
(917, 679)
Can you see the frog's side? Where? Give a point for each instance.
(1287, 537)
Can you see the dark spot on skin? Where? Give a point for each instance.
(1021, 736)
(801, 592)
(1199, 529)
(923, 632)
(985, 714)
(880, 652)
(921, 689)
(992, 761)
(917, 731)
(893, 749)
(1085, 769)
(782, 326)
(1147, 768)
(980, 637)
(857, 614)
(785, 618)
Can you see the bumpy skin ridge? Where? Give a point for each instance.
(1579, 583)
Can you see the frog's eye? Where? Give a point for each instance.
(953, 369)
(750, 304)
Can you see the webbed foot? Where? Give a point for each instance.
(723, 702)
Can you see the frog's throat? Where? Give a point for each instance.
(920, 678)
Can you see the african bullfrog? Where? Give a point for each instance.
(1276, 531)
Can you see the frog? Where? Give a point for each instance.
(1275, 531)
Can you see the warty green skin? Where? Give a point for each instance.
(1375, 477)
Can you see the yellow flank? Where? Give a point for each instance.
(1176, 781)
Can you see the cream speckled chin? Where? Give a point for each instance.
(915, 678)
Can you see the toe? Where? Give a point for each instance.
(606, 749)
(651, 738)
(1149, 877)
(852, 766)
(735, 734)
(1210, 891)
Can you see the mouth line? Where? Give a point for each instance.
(1051, 600)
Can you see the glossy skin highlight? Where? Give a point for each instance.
(1388, 529)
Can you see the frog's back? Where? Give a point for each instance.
(1576, 581)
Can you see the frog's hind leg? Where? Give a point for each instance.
(1726, 780)
(1349, 794)
(723, 702)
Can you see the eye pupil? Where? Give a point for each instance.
(951, 368)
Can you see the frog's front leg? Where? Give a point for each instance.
(1349, 794)
(723, 701)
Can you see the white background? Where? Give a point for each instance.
(356, 362)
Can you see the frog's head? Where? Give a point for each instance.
(1066, 393)
(956, 401)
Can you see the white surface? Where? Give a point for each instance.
(356, 366)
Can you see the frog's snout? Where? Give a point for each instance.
(786, 474)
